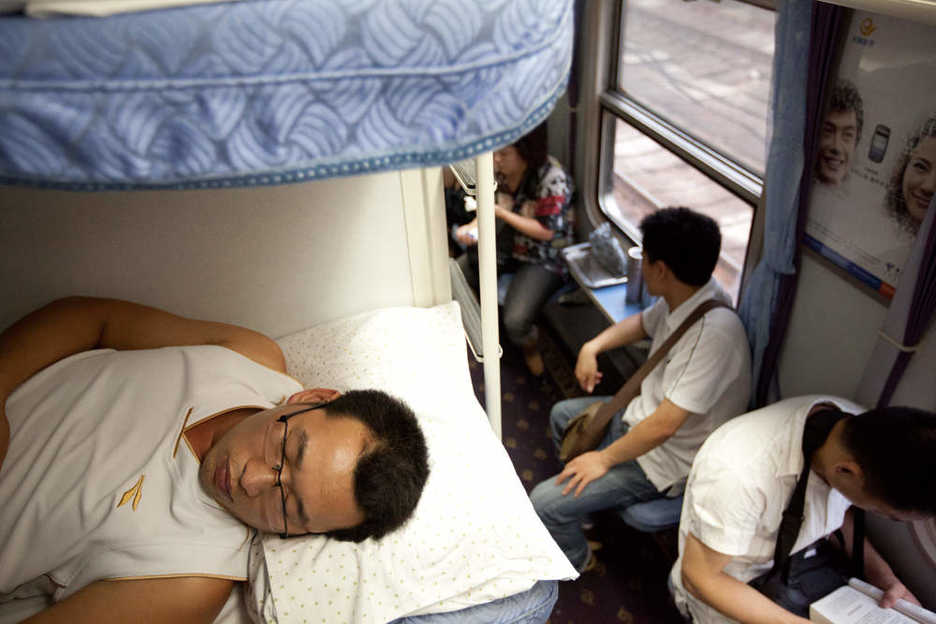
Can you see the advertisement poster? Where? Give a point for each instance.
(876, 166)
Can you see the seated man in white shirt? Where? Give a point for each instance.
(883, 461)
(703, 381)
(138, 448)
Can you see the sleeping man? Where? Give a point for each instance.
(138, 449)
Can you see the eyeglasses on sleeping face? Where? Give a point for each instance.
(282, 458)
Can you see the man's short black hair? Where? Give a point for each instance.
(896, 449)
(687, 241)
(844, 98)
(389, 479)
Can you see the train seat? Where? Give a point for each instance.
(654, 515)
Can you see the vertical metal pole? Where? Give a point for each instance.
(487, 269)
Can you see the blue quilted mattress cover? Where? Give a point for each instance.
(273, 91)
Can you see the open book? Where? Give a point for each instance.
(857, 603)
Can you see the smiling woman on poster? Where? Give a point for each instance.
(913, 181)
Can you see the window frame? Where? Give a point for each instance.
(613, 103)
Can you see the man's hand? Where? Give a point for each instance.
(582, 470)
(897, 591)
(586, 368)
(877, 570)
(622, 333)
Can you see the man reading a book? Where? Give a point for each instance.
(703, 380)
(882, 461)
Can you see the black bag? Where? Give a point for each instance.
(825, 569)
(794, 582)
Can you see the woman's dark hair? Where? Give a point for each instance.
(533, 147)
(388, 480)
(894, 200)
(896, 449)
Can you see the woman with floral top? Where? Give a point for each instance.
(534, 209)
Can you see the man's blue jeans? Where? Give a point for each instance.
(623, 485)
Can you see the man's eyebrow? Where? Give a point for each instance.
(303, 443)
(303, 518)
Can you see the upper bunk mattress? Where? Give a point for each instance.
(273, 91)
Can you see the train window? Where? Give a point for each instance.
(647, 176)
(685, 116)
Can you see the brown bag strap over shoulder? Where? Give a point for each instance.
(632, 387)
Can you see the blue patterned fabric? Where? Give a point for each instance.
(530, 607)
(273, 91)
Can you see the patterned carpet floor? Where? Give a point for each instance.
(629, 584)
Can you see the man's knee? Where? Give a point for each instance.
(558, 420)
(547, 499)
(563, 412)
(558, 412)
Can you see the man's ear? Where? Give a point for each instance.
(659, 271)
(313, 395)
(849, 471)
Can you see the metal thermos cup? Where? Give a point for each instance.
(634, 275)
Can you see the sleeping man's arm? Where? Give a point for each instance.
(184, 600)
(77, 324)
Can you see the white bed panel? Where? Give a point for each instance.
(276, 259)
(427, 235)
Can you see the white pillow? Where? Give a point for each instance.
(474, 536)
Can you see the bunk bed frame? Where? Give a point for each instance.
(339, 232)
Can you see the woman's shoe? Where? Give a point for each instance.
(534, 361)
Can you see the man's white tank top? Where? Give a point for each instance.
(99, 482)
